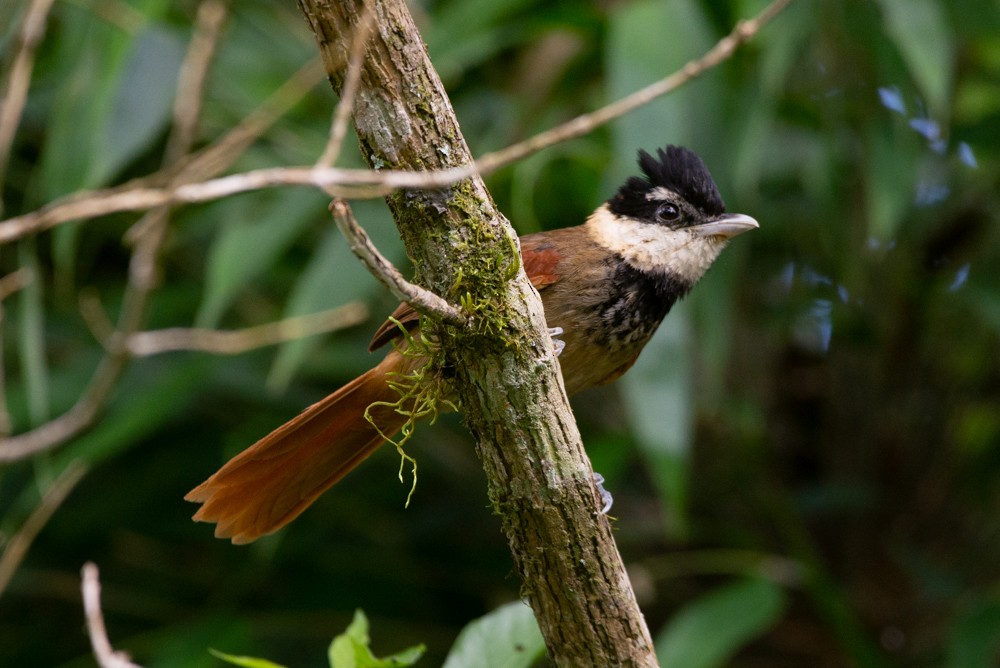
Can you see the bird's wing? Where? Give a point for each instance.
(540, 261)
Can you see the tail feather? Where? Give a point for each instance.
(270, 483)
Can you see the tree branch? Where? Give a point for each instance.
(540, 479)
(234, 342)
(106, 655)
(19, 79)
(421, 299)
(206, 163)
(17, 546)
(356, 183)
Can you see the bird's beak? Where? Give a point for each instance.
(727, 225)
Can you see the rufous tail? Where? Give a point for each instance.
(267, 485)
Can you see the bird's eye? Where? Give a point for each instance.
(666, 212)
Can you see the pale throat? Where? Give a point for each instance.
(654, 248)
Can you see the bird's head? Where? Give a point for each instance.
(672, 221)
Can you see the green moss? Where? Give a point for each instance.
(422, 394)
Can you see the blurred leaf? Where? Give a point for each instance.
(974, 641)
(658, 399)
(333, 276)
(245, 661)
(471, 31)
(31, 335)
(754, 128)
(256, 231)
(647, 41)
(889, 182)
(114, 98)
(142, 102)
(90, 55)
(780, 43)
(921, 32)
(507, 637)
(114, 94)
(149, 395)
(351, 649)
(709, 631)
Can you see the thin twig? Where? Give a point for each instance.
(206, 162)
(19, 79)
(148, 235)
(218, 156)
(20, 542)
(144, 193)
(343, 182)
(421, 299)
(191, 78)
(14, 282)
(741, 33)
(106, 655)
(367, 184)
(234, 342)
(343, 110)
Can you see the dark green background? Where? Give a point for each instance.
(805, 458)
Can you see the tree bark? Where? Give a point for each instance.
(502, 365)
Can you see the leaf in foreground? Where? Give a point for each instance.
(351, 649)
(245, 661)
(507, 637)
(706, 633)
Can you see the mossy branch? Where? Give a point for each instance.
(505, 373)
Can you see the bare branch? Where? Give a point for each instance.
(191, 79)
(138, 195)
(21, 541)
(421, 299)
(14, 282)
(209, 161)
(234, 342)
(581, 125)
(106, 655)
(148, 235)
(367, 184)
(218, 156)
(32, 30)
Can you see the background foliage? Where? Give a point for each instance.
(804, 462)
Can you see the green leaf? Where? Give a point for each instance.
(975, 638)
(507, 637)
(708, 632)
(332, 277)
(245, 661)
(114, 96)
(471, 31)
(647, 41)
(31, 339)
(890, 170)
(920, 31)
(658, 399)
(351, 649)
(151, 394)
(143, 102)
(258, 229)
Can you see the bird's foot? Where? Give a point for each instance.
(558, 344)
(606, 497)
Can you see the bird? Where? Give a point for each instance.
(606, 284)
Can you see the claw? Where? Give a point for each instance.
(605, 494)
(558, 344)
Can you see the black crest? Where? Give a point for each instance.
(677, 169)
